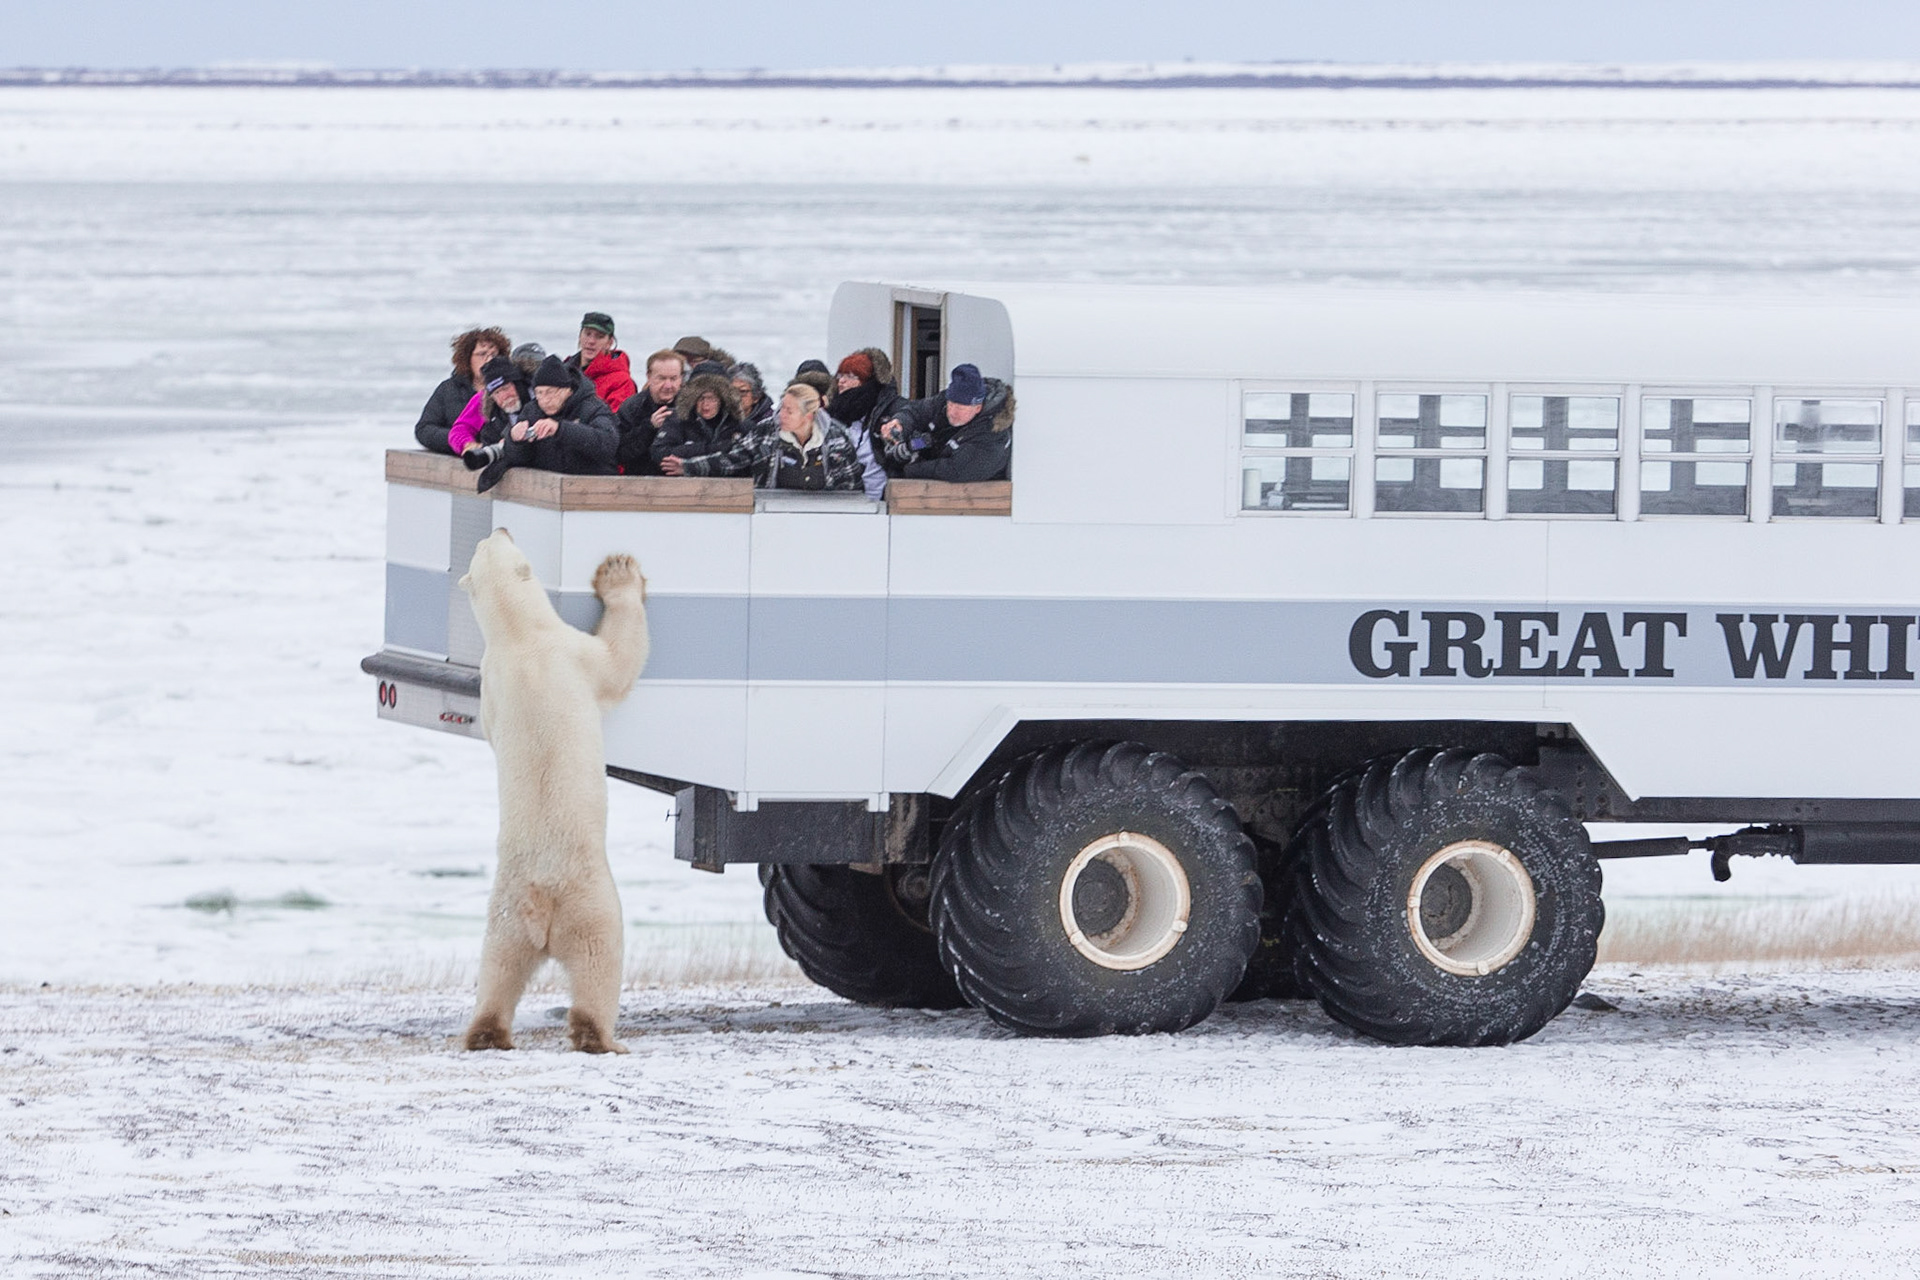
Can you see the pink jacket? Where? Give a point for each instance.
(466, 427)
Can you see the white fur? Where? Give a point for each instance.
(543, 686)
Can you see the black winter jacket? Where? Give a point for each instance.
(764, 415)
(637, 434)
(980, 450)
(584, 445)
(442, 407)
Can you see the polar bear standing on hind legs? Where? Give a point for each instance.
(543, 685)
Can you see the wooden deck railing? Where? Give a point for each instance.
(556, 492)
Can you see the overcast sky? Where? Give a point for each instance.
(781, 34)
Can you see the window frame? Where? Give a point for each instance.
(1909, 453)
(1759, 402)
(1488, 391)
(1877, 458)
(1239, 392)
(1615, 391)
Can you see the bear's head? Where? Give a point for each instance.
(501, 584)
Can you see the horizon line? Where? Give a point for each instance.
(1289, 74)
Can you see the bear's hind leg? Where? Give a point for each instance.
(587, 942)
(507, 960)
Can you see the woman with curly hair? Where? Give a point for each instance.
(471, 351)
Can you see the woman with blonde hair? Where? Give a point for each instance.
(805, 449)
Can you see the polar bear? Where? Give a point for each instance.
(543, 685)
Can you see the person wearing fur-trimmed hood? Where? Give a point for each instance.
(706, 421)
(808, 450)
(864, 392)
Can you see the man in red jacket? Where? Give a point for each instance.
(603, 364)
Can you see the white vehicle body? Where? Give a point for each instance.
(829, 650)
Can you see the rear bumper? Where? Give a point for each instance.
(427, 692)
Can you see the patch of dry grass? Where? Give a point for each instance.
(1850, 932)
(707, 955)
(657, 958)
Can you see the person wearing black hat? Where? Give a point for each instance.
(604, 364)
(964, 433)
(694, 349)
(561, 427)
(813, 373)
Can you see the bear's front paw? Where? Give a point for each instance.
(616, 572)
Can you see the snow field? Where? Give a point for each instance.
(1708, 1127)
(195, 787)
(1808, 140)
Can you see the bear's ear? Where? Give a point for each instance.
(466, 582)
(523, 571)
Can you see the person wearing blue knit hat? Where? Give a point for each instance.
(964, 433)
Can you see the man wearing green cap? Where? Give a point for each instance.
(603, 364)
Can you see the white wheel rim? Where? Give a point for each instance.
(1499, 920)
(1159, 901)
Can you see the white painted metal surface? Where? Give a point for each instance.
(828, 654)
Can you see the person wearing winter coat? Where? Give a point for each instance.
(706, 421)
(604, 364)
(864, 396)
(808, 450)
(471, 351)
(750, 395)
(864, 390)
(964, 433)
(645, 414)
(561, 427)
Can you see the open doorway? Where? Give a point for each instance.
(918, 341)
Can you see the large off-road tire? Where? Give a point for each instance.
(1446, 899)
(861, 936)
(1271, 973)
(1094, 889)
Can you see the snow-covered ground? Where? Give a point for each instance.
(222, 305)
(1707, 1128)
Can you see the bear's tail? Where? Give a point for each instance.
(536, 915)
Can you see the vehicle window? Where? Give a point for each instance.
(1296, 451)
(1694, 455)
(1431, 453)
(1563, 454)
(1911, 482)
(1826, 457)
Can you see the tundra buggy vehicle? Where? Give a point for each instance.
(1306, 637)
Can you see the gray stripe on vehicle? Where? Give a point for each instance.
(417, 608)
(1108, 641)
(471, 520)
(815, 638)
(1071, 641)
